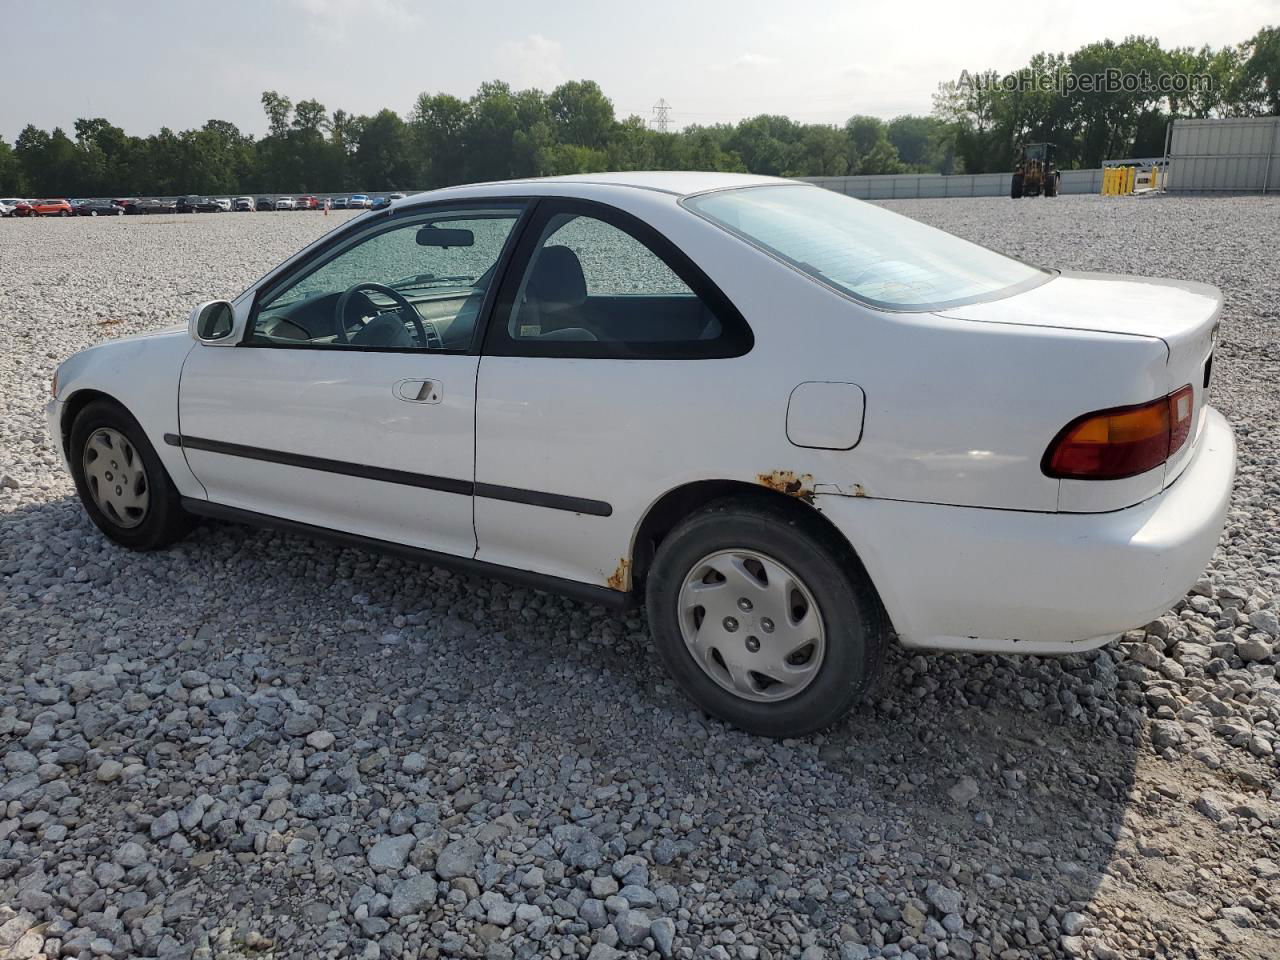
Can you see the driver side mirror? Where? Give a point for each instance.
(212, 322)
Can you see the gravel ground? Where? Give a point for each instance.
(252, 745)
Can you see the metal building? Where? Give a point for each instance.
(1229, 155)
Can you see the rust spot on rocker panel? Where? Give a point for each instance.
(618, 579)
(798, 485)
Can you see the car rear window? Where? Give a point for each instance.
(869, 253)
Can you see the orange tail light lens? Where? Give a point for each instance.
(1123, 441)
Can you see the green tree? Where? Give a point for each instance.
(822, 151)
(1258, 86)
(12, 182)
(581, 113)
(384, 157)
(310, 117)
(765, 143)
(699, 148)
(278, 109)
(440, 123)
(869, 137)
(564, 158)
(1220, 95)
(632, 146)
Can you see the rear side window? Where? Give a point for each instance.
(596, 283)
(872, 254)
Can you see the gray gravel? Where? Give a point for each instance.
(252, 745)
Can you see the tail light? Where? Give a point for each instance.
(1122, 441)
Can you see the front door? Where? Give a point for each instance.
(350, 402)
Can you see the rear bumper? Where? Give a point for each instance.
(1004, 581)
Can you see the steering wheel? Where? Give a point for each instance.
(405, 309)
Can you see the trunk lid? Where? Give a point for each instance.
(1182, 314)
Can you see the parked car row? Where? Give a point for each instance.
(356, 201)
(16, 207)
(36, 208)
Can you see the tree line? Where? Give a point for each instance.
(990, 114)
(500, 133)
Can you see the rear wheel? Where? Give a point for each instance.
(763, 620)
(121, 482)
(1015, 188)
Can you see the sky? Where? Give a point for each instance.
(144, 64)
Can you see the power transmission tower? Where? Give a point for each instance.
(661, 119)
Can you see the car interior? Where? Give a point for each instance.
(556, 305)
(625, 294)
(372, 319)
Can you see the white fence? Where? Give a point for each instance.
(909, 186)
(1230, 155)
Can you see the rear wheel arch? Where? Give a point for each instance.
(680, 503)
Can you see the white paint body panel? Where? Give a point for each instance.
(970, 545)
(1008, 581)
(336, 405)
(142, 373)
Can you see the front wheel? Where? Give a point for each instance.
(764, 619)
(121, 482)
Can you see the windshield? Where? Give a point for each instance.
(872, 254)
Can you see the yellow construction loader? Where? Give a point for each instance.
(1035, 174)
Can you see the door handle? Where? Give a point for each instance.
(418, 391)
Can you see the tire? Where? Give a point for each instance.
(1052, 185)
(93, 213)
(162, 520)
(1015, 187)
(120, 213)
(840, 609)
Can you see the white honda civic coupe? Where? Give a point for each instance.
(791, 423)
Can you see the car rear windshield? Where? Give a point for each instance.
(869, 253)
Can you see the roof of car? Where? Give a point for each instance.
(681, 182)
(675, 182)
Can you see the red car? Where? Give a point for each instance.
(306, 203)
(50, 208)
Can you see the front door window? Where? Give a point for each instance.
(413, 285)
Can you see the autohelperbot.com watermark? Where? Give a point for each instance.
(1111, 80)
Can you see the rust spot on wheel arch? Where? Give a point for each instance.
(618, 579)
(798, 485)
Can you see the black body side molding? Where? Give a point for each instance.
(488, 491)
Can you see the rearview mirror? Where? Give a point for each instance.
(430, 236)
(212, 321)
